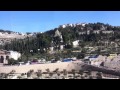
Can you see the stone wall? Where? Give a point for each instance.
(52, 66)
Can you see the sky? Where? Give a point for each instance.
(40, 21)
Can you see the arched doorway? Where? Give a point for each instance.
(7, 57)
(1, 59)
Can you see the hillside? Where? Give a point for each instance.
(7, 36)
(88, 34)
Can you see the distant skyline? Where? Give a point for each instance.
(40, 21)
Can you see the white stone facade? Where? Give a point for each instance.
(15, 55)
(51, 48)
(61, 47)
(75, 43)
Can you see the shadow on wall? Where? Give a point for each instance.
(1, 59)
(103, 70)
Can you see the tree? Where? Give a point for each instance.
(28, 33)
(57, 40)
(82, 77)
(29, 73)
(69, 52)
(82, 44)
(69, 34)
(65, 73)
(22, 74)
(56, 70)
(3, 75)
(12, 72)
(51, 74)
(81, 72)
(39, 73)
(90, 77)
(98, 51)
(48, 71)
(19, 77)
(89, 72)
(73, 72)
(58, 74)
(12, 61)
(99, 75)
(80, 56)
(57, 58)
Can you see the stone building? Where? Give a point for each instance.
(4, 56)
(75, 43)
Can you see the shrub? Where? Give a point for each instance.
(12, 61)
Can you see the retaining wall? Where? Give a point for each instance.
(52, 66)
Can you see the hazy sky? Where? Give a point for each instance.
(39, 21)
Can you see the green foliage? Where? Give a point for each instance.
(43, 40)
(80, 56)
(12, 61)
(65, 72)
(28, 74)
(39, 73)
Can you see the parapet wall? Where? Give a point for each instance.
(52, 66)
